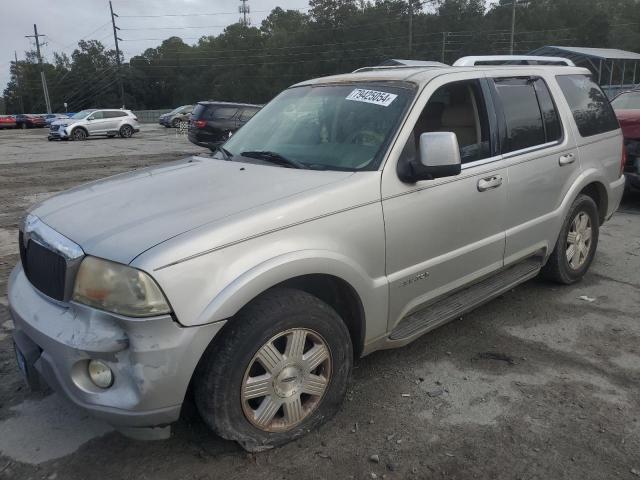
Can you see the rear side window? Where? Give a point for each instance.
(525, 127)
(247, 114)
(550, 117)
(223, 113)
(114, 114)
(591, 109)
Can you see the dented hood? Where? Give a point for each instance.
(122, 216)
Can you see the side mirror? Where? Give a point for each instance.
(438, 156)
(89, 118)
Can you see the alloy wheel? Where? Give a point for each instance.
(579, 240)
(286, 380)
(126, 131)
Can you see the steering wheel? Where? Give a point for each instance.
(365, 136)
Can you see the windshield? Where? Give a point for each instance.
(332, 127)
(626, 101)
(82, 114)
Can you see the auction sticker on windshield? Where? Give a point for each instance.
(372, 96)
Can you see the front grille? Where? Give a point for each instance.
(46, 270)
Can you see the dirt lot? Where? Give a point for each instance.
(538, 384)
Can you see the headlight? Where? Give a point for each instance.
(118, 288)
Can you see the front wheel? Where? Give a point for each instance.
(577, 243)
(126, 131)
(280, 368)
(79, 134)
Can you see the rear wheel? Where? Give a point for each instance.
(79, 134)
(126, 131)
(577, 243)
(280, 368)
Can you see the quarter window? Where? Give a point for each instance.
(591, 109)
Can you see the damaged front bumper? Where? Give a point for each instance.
(152, 359)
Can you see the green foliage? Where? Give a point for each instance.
(252, 64)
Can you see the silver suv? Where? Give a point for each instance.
(92, 122)
(352, 213)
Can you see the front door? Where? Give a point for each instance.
(96, 123)
(445, 233)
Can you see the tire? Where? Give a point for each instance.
(79, 134)
(23, 126)
(275, 318)
(126, 131)
(559, 267)
(174, 123)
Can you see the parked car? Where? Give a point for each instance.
(214, 122)
(52, 117)
(627, 108)
(94, 122)
(28, 120)
(176, 118)
(7, 121)
(353, 213)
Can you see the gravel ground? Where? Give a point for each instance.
(538, 384)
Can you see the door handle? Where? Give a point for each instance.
(566, 159)
(488, 183)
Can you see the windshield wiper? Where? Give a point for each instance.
(273, 157)
(226, 154)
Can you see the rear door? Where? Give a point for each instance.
(221, 121)
(541, 157)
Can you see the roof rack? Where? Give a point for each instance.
(520, 59)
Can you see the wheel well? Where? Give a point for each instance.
(599, 195)
(341, 297)
(79, 127)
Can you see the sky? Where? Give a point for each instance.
(65, 22)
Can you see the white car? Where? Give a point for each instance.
(92, 122)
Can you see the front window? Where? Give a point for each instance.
(326, 127)
(82, 114)
(626, 101)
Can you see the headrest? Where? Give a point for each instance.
(458, 116)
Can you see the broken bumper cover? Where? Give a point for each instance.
(152, 359)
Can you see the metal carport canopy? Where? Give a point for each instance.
(581, 52)
(597, 60)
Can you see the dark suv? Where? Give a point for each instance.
(214, 122)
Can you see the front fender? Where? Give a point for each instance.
(251, 283)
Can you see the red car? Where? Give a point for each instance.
(627, 108)
(7, 121)
(28, 120)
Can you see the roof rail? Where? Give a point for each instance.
(415, 64)
(521, 59)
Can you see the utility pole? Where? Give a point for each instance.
(244, 9)
(410, 27)
(444, 44)
(513, 25)
(15, 54)
(115, 37)
(45, 90)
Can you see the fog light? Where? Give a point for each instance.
(100, 374)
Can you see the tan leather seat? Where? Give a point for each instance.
(460, 120)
